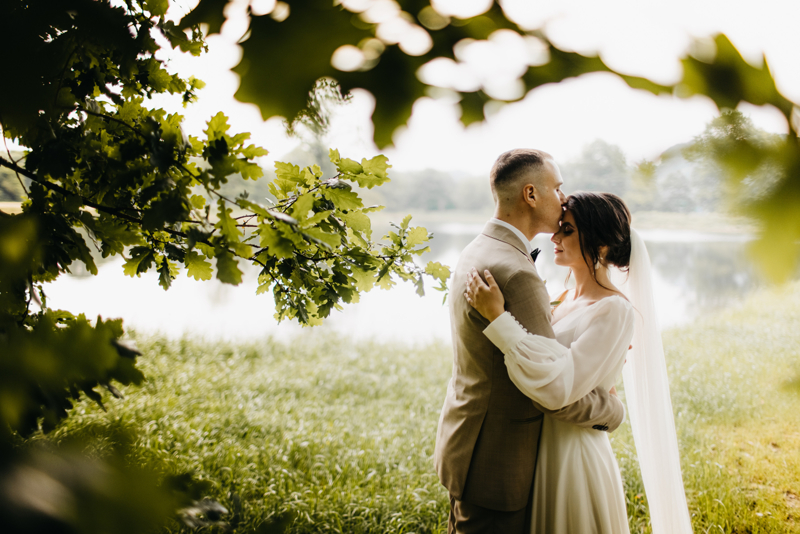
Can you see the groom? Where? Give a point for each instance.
(488, 436)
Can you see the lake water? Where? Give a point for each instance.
(694, 274)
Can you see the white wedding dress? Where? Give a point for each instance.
(578, 487)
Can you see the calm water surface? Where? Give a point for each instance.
(694, 274)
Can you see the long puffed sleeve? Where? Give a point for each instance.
(556, 376)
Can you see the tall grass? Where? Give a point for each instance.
(338, 436)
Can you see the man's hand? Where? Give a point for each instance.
(485, 297)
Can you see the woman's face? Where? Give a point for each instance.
(567, 243)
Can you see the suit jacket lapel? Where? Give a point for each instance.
(500, 233)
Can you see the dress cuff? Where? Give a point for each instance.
(505, 332)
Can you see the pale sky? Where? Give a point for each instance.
(639, 37)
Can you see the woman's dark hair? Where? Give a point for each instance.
(602, 219)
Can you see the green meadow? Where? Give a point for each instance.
(330, 435)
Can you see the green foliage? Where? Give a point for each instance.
(13, 188)
(728, 79)
(85, 494)
(51, 364)
(102, 161)
(761, 176)
(57, 487)
(315, 244)
(107, 170)
(49, 358)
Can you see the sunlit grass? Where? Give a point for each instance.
(732, 378)
(341, 434)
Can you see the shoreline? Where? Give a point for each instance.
(705, 223)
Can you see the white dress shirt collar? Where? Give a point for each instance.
(517, 232)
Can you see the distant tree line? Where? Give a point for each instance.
(679, 181)
(673, 183)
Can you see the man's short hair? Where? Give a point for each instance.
(512, 164)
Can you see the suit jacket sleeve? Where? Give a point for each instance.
(527, 300)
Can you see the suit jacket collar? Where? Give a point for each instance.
(516, 231)
(501, 233)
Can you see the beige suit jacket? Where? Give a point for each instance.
(487, 441)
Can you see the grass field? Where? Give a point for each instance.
(340, 435)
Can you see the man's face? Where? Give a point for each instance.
(549, 197)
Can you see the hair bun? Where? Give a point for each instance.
(619, 255)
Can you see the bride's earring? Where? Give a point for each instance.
(600, 263)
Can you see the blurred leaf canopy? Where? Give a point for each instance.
(283, 56)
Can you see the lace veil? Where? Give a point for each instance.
(649, 403)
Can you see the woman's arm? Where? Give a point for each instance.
(542, 368)
(526, 299)
(556, 376)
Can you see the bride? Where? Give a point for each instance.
(577, 487)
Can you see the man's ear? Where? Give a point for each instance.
(530, 194)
